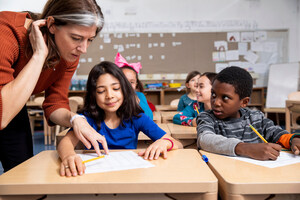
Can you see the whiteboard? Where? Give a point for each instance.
(283, 79)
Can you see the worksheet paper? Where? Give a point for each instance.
(282, 160)
(115, 161)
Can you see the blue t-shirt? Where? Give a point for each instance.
(144, 104)
(184, 101)
(127, 137)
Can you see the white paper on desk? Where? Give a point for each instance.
(282, 160)
(115, 161)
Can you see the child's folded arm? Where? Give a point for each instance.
(182, 119)
(209, 141)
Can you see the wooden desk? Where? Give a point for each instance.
(241, 180)
(182, 132)
(184, 173)
(156, 117)
(167, 117)
(166, 108)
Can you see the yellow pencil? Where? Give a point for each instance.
(197, 110)
(257, 133)
(92, 159)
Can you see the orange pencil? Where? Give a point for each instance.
(92, 159)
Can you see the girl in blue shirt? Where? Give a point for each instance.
(111, 108)
(187, 116)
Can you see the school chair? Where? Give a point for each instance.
(50, 132)
(34, 115)
(292, 112)
(174, 102)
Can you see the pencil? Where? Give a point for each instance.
(257, 133)
(92, 159)
(197, 110)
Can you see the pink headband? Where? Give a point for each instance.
(121, 62)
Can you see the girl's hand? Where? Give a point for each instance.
(37, 40)
(88, 136)
(155, 149)
(72, 166)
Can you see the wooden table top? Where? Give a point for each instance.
(167, 116)
(182, 172)
(238, 177)
(166, 108)
(182, 132)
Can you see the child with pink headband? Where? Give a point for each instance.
(131, 71)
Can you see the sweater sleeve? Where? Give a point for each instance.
(185, 117)
(56, 96)
(9, 48)
(284, 140)
(272, 133)
(209, 140)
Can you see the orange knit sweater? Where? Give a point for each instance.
(55, 83)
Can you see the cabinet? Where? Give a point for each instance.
(165, 96)
(257, 99)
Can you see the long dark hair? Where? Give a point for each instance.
(129, 107)
(65, 12)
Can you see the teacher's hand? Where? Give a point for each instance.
(37, 40)
(88, 136)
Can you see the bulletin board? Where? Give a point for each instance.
(164, 52)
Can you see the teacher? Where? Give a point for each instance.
(40, 52)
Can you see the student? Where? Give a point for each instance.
(131, 71)
(225, 129)
(40, 52)
(190, 97)
(187, 117)
(110, 107)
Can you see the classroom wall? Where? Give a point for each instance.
(212, 15)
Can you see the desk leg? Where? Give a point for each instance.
(287, 119)
(277, 119)
(162, 97)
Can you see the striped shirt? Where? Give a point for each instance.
(222, 136)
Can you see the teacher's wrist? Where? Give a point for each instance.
(75, 117)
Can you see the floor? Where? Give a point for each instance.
(38, 145)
